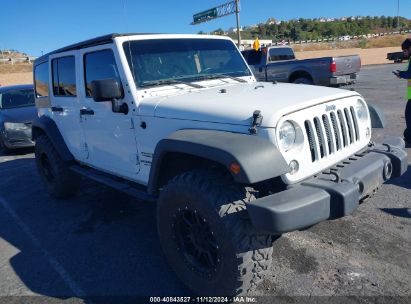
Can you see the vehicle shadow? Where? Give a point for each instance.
(102, 242)
(399, 212)
(18, 152)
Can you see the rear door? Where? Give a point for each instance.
(278, 67)
(65, 102)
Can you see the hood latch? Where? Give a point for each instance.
(257, 120)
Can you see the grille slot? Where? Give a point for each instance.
(354, 119)
(321, 140)
(311, 139)
(328, 133)
(343, 128)
(336, 131)
(350, 125)
(331, 132)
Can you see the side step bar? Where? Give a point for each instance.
(114, 182)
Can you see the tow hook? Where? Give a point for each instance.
(257, 119)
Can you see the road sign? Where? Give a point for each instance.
(205, 16)
(232, 7)
(216, 12)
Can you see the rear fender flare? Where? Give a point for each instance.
(46, 125)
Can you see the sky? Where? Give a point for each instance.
(36, 26)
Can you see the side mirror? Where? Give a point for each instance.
(106, 90)
(109, 90)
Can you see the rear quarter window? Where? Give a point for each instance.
(41, 80)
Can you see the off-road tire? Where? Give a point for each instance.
(246, 253)
(58, 179)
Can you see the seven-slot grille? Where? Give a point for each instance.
(331, 132)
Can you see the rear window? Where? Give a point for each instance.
(277, 54)
(17, 99)
(41, 79)
(64, 76)
(252, 57)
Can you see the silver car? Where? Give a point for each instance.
(17, 111)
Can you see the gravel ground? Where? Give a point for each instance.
(101, 243)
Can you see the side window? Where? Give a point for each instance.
(64, 76)
(17, 99)
(97, 66)
(278, 54)
(41, 80)
(253, 57)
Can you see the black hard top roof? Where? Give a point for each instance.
(87, 43)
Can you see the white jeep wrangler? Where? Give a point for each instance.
(231, 162)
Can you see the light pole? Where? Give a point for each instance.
(398, 14)
(237, 13)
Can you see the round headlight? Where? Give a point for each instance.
(361, 109)
(287, 135)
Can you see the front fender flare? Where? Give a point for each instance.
(377, 116)
(258, 158)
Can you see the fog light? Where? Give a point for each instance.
(294, 166)
(387, 170)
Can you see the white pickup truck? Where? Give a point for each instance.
(232, 163)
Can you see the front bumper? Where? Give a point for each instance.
(14, 139)
(330, 195)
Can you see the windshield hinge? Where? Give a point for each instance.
(257, 120)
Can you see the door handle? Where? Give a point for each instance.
(57, 109)
(86, 112)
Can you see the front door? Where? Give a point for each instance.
(109, 136)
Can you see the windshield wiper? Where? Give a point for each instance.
(218, 76)
(172, 81)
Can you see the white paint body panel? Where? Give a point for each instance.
(115, 140)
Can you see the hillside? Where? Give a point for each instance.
(320, 28)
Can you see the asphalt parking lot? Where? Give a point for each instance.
(104, 243)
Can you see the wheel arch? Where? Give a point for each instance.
(44, 125)
(185, 150)
(300, 74)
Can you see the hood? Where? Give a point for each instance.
(235, 104)
(23, 114)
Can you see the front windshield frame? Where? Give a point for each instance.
(28, 92)
(150, 60)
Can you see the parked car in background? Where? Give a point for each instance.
(278, 63)
(17, 111)
(397, 57)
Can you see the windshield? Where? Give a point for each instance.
(17, 99)
(154, 61)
